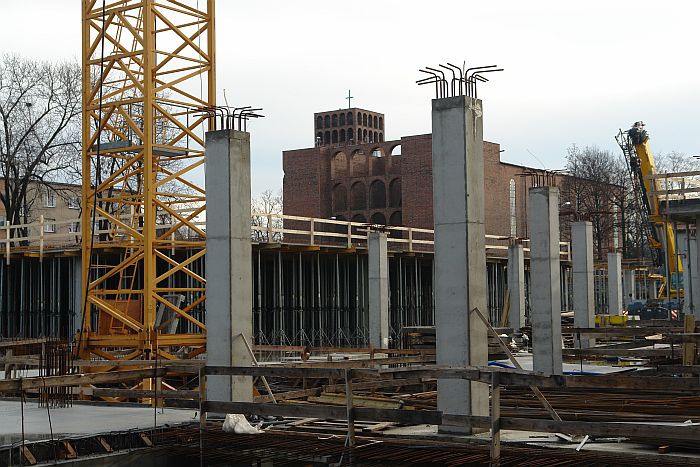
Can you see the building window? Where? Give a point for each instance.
(49, 199)
(327, 121)
(349, 119)
(513, 213)
(50, 225)
(74, 227)
(341, 119)
(335, 120)
(73, 202)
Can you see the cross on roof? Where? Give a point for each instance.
(349, 98)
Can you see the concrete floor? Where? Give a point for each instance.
(81, 419)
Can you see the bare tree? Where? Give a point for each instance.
(598, 189)
(40, 106)
(268, 202)
(674, 162)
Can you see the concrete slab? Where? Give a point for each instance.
(81, 419)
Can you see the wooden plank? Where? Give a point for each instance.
(276, 370)
(27, 454)
(622, 332)
(139, 393)
(302, 421)
(79, 379)
(495, 420)
(289, 395)
(632, 353)
(412, 417)
(689, 347)
(350, 412)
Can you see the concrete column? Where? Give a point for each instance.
(584, 282)
(695, 270)
(516, 286)
(460, 256)
(545, 289)
(688, 250)
(615, 283)
(652, 287)
(229, 302)
(378, 266)
(628, 285)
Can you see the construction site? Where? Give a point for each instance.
(166, 321)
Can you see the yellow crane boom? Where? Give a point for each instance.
(635, 144)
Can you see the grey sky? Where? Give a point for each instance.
(575, 72)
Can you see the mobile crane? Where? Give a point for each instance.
(659, 232)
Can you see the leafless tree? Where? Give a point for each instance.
(40, 106)
(598, 189)
(268, 202)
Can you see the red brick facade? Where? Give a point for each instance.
(366, 183)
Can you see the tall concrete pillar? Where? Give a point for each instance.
(652, 290)
(378, 265)
(229, 289)
(516, 285)
(615, 283)
(460, 257)
(583, 272)
(628, 286)
(695, 270)
(545, 289)
(691, 282)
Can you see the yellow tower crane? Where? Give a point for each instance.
(147, 67)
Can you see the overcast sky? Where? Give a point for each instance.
(574, 72)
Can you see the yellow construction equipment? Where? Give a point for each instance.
(147, 66)
(662, 240)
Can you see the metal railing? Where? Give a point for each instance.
(265, 228)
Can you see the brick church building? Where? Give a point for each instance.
(353, 173)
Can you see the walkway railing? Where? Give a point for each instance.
(47, 234)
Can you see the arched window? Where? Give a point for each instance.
(513, 212)
(339, 166)
(369, 121)
(319, 137)
(359, 118)
(358, 164)
(359, 136)
(381, 123)
(319, 122)
(364, 119)
(381, 137)
(358, 197)
(341, 120)
(334, 138)
(327, 137)
(378, 219)
(377, 194)
(364, 136)
(340, 198)
(349, 118)
(342, 135)
(376, 120)
(371, 140)
(395, 218)
(396, 150)
(335, 120)
(395, 193)
(376, 137)
(359, 218)
(327, 121)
